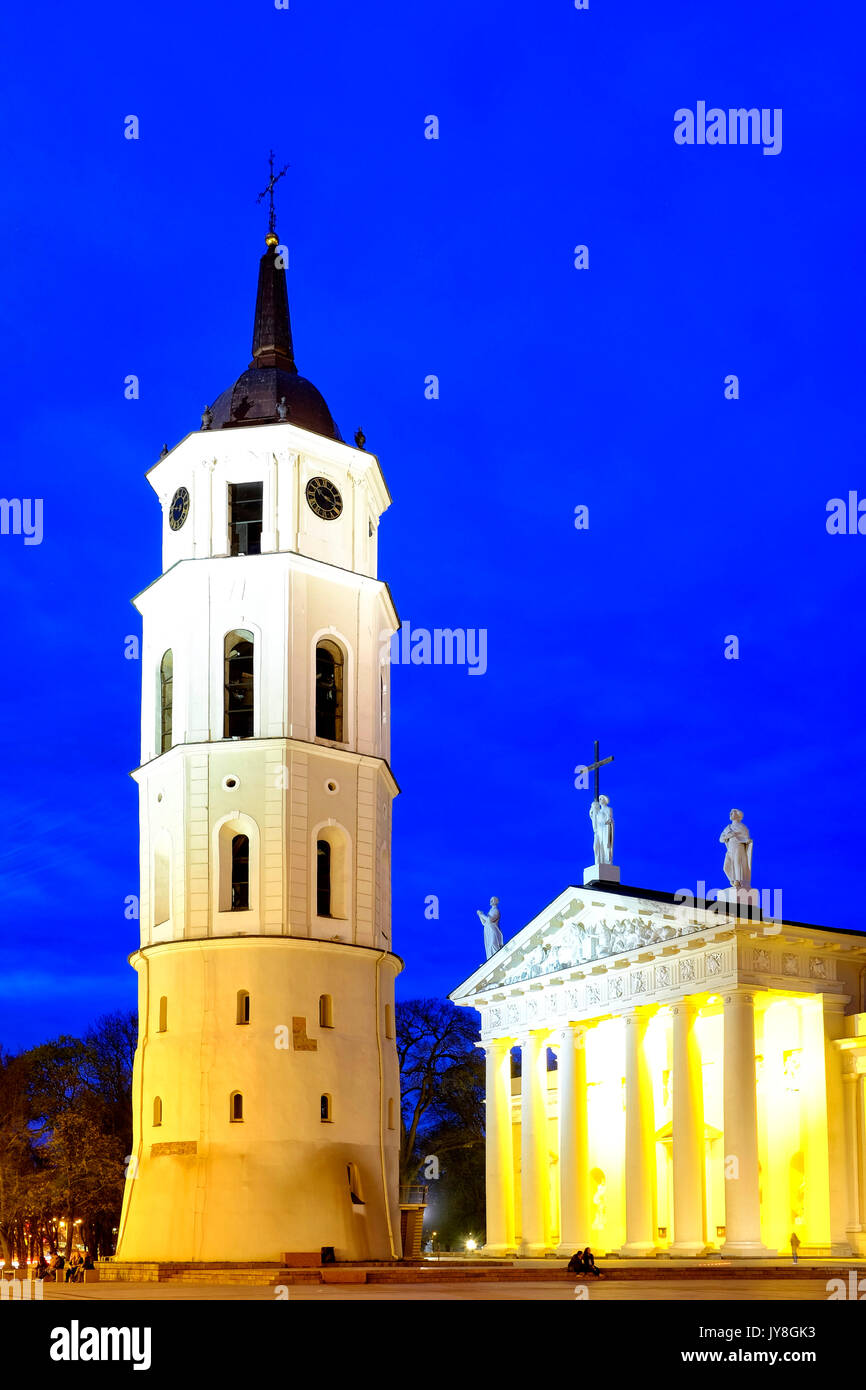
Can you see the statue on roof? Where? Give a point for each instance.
(601, 815)
(738, 859)
(490, 923)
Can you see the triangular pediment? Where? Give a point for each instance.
(580, 926)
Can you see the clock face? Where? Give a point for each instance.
(324, 498)
(179, 509)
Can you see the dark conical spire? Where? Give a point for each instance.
(272, 330)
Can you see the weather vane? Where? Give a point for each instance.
(268, 193)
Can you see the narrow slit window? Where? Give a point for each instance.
(240, 873)
(166, 695)
(327, 1116)
(162, 1026)
(157, 1110)
(243, 1015)
(326, 1011)
(236, 1108)
(323, 878)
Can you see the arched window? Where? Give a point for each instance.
(162, 1026)
(236, 1107)
(329, 691)
(332, 873)
(239, 652)
(243, 1006)
(166, 677)
(389, 1021)
(240, 873)
(161, 879)
(157, 1110)
(391, 1110)
(327, 1117)
(323, 878)
(326, 1011)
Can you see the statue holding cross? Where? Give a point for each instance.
(601, 815)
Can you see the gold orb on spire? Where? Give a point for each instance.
(271, 239)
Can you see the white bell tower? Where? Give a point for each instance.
(266, 1087)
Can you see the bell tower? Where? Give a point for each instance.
(266, 1086)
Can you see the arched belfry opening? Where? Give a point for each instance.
(330, 664)
(239, 709)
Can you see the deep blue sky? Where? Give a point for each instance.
(558, 387)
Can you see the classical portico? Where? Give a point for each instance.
(684, 1082)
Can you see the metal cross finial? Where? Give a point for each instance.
(268, 192)
(593, 767)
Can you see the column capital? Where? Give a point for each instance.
(641, 1013)
(575, 1031)
(739, 995)
(532, 1035)
(688, 1004)
(495, 1044)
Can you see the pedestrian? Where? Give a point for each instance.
(589, 1266)
(795, 1246)
(72, 1268)
(575, 1264)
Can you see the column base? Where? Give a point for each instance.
(638, 1250)
(530, 1251)
(687, 1249)
(746, 1250)
(497, 1252)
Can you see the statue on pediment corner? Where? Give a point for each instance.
(490, 923)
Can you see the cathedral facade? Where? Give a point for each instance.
(266, 1086)
(689, 1081)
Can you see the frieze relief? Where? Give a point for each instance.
(578, 943)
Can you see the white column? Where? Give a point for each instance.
(534, 1182)
(688, 1133)
(499, 1148)
(575, 1216)
(640, 1168)
(850, 1087)
(742, 1201)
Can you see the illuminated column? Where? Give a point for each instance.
(742, 1202)
(640, 1171)
(535, 1235)
(575, 1216)
(688, 1133)
(499, 1149)
(850, 1086)
(832, 1017)
(860, 1150)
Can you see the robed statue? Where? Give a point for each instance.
(601, 815)
(738, 859)
(490, 923)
